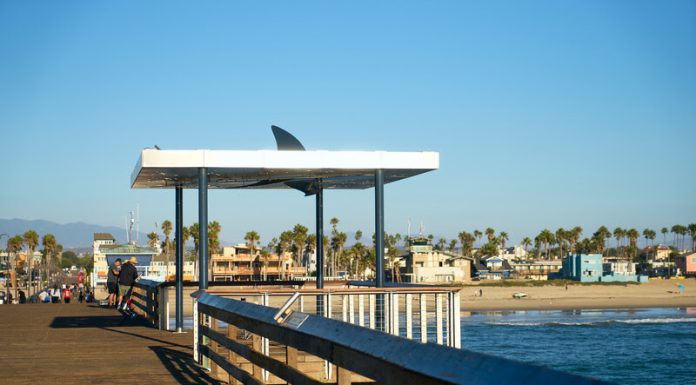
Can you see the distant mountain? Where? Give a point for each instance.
(70, 235)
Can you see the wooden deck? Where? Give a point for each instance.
(83, 344)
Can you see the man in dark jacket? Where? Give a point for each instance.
(126, 280)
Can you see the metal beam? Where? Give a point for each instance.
(379, 245)
(179, 231)
(202, 228)
(320, 244)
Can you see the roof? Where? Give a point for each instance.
(270, 169)
(103, 237)
(131, 249)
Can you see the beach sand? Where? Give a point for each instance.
(658, 293)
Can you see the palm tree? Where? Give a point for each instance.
(619, 234)
(185, 235)
(546, 237)
(452, 245)
(49, 243)
(503, 238)
(600, 236)
(152, 239)
(31, 240)
(692, 232)
(299, 237)
(478, 234)
(214, 229)
(15, 244)
(490, 233)
(251, 238)
(633, 236)
(574, 237)
(467, 240)
(561, 235)
(664, 232)
(675, 236)
(195, 234)
(167, 230)
(525, 243)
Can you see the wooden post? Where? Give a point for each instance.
(256, 346)
(343, 376)
(232, 332)
(214, 346)
(351, 309)
(394, 307)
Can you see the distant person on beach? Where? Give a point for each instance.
(67, 295)
(55, 294)
(22, 296)
(126, 279)
(112, 281)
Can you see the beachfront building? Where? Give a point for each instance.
(686, 264)
(239, 263)
(536, 270)
(423, 264)
(591, 268)
(513, 253)
(106, 251)
(493, 268)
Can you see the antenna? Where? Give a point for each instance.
(125, 228)
(137, 223)
(408, 231)
(421, 229)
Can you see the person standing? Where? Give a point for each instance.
(126, 279)
(112, 281)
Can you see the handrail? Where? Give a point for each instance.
(147, 303)
(379, 356)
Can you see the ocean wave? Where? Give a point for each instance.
(594, 323)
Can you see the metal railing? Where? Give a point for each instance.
(423, 313)
(228, 337)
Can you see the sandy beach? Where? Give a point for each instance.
(659, 293)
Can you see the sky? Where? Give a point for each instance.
(546, 114)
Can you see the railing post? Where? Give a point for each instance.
(361, 310)
(343, 376)
(351, 309)
(196, 334)
(371, 300)
(394, 309)
(423, 307)
(265, 348)
(457, 321)
(409, 316)
(232, 332)
(213, 346)
(438, 319)
(257, 372)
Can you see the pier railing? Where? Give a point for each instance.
(423, 313)
(229, 334)
(146, 299)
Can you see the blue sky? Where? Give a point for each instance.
(545, 114)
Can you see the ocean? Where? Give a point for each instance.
(631, 347)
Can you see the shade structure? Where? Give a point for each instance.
(270, 169)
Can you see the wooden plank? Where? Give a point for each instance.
(278, 368)
(232, 332)
(409, 316)
(343, 377)
(438, 319)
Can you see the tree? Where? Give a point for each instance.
(31, 240)
(649, 235)
(15, 244)
(49, 244)
(467, 241)
(503, 238)
(574, 236)
(599, 238)
(619, 234)
(69, 259)
(214, 229)
(490, 233)
(452, 245)
(546, 237)
(299, 235)
(152, 239)
(664, 232)
(167, 230)
(478, 234)
(185, 236)
(525, 243)
(633, 236)
(692, 232)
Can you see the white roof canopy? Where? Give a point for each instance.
(277, 169)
